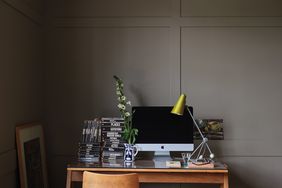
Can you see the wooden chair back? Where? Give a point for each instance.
(95, 180)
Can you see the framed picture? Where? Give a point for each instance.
(31, 156)
(211, 128)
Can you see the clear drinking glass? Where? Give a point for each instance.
(186, 158)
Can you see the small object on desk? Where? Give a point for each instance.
(185, 158)
(173, 164)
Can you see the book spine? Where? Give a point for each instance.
(91, 159)
(109, 128)
(115, 145)
(88, 155)
(111, 119)
(111, 135)
(98, 144)
(109, 153)
(119, 149)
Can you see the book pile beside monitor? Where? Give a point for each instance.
(111, 129)
(90, 146)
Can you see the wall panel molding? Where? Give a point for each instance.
(231, 21)
(172, 22)
(112, 8)
(242, 76)
(111, 22)
(231, 8)
(25, 10)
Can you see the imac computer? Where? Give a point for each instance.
(159, 130)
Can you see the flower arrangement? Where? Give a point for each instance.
(129, 133)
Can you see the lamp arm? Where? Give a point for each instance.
(195, 123)
(197, 148)
(208, 147)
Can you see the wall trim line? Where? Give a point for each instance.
(171, 21)
(24, 10)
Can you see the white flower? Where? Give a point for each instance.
(128, 103)
(121, 106)
(119, 99)
(118, 92)
(123, 98)
(127, 114)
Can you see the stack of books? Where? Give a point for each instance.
(90, 146)
(89, 152)
(111, 129)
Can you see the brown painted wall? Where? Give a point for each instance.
(20, 79)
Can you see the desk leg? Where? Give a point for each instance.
(225, 182)
(69, 178)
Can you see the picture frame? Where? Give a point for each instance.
(31, 155)
(211, 128)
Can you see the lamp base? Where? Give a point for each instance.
(201, 165)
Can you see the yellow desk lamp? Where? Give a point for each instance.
(178, 109)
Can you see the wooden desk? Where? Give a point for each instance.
(153, 172)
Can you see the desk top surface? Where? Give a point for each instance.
(142, 165)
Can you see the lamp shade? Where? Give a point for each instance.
(178, 108)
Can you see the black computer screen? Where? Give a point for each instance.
(156, 124)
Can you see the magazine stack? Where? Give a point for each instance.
(112, 137)
(90, 146)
